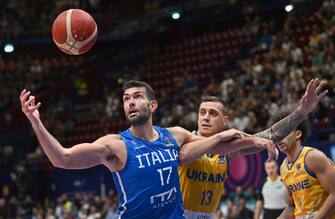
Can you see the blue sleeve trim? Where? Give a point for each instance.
(306, 167)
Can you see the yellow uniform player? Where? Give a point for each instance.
(309, 176)
(306, 190)
(202, 181)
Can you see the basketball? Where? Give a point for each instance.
(74, 31)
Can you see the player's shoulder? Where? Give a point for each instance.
(176, 129)
(314, 156)
(109, 138)
(112, 137)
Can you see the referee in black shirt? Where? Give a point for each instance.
(274, 196)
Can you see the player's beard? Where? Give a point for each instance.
(142, 117)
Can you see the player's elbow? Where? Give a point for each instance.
(184, 157)
(62, 161)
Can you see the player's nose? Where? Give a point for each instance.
(131, 102)
(205, 117)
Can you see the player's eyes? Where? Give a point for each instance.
(214, 114)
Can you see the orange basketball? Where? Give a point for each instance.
(74, 31)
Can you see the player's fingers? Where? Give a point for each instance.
(309, 86)
(277, 153)
(319, 87)
(316, 83)
(24, 97)
(33, 102)
(273, 151)
(31, 99)
(35, 107)
(22, 92)
(324, 93)
(269, 156)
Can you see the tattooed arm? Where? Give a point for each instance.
(284, 127)
(276, 133)
(287, 213)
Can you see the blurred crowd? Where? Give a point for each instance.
(239, 204)
(269, 81)
(67, 206)
(35, 74)
(19, 19)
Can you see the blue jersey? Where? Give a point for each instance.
(148, 186)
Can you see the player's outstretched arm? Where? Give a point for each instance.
(194, 146)
(77, 157)
(288, 124)
(306, 104)
(324, 170)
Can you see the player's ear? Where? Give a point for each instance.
(153, 105)
(298, 134)
(225, 120)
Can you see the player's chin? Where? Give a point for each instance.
(207, 131)
(283, 149)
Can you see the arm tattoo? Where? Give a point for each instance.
(276, 133)
(245, 151)
(284, 127)
(287, 212)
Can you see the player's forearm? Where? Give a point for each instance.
(276, 132)
(53, 149)
(284, 127)
(327, 208)
(233, 145)
(193, 150)
(287, 213)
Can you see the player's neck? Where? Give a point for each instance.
(294, 153)
(273, 178)
(145, 131)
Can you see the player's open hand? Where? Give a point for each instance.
(28, 106)
(312, 96)
(268, 145)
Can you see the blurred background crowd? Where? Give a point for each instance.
(254, 54)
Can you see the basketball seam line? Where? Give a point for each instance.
(71, 46)
(80, 31)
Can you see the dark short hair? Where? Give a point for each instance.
(271, 160)
(303, 126)
(215, 99)
(132, 83)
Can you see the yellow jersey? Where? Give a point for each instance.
(306, 190)
(202, 183)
